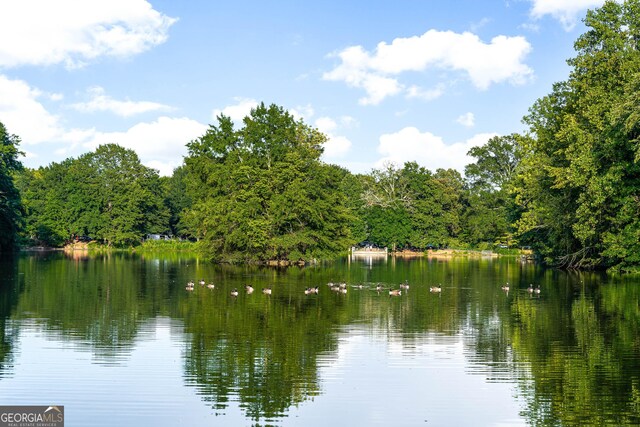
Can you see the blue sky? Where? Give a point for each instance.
(386, 81)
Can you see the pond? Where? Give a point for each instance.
(119, 340)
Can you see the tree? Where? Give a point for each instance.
(10, 205)
(106, 194)
(491, 208)
(261, 192)
(580, 179)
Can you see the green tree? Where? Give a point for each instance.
(106, 194)
(491, 209)
(261, 192)
(579, 188)
(10, 205)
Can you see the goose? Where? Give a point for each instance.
(234, 293)
(248, 288)
(211, 286)
(314, 290)
(266, 291)
(537, 290)
(308, 291)
(342, 290)
(505, 287)
(395, 292)
(379, 288)
(202, 282)
(190, 284)
(189, 288)
(530, 289)
(435, 288)
(404, 285)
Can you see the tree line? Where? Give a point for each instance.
(568, 186)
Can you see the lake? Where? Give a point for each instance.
(119, 341)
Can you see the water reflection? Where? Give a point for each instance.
(566, 356)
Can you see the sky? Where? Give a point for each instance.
(408, 80)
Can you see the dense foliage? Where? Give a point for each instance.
(10, 205)
(580, 178)
(261, 192)
(107, 195)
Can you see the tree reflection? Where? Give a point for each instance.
(573, 350)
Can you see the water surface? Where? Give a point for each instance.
(118, 340)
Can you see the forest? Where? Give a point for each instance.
(567, 186)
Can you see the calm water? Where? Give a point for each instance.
(119, 341)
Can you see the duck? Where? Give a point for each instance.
(395, 292)
(211, 286)
(248, 288)
(266, 291)
(234, 292)
(435, 288)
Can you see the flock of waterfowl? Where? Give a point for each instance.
(340, 288)
(530, 289)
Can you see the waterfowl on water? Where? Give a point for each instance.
(530, 289)
(266, 291)
(379, 288)
(202, 282)
(435, 288)
(342, 290)
(234, 293)
(505, 287)
(404, 285)
(248, 288)
(537, 290)
(395, 292)
(189, 288)
(211, 286)
(190, 284)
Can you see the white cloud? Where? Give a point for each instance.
(565, 11)
(304, 112)
(426, 95)
(336, 146)
(101, 102)
(237, 111)
(428, 150)
(326, 124)
(484, 63)
(160, 144)
(23, 114)
(36, 32)
(467, 119)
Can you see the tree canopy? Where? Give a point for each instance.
(10, 204)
